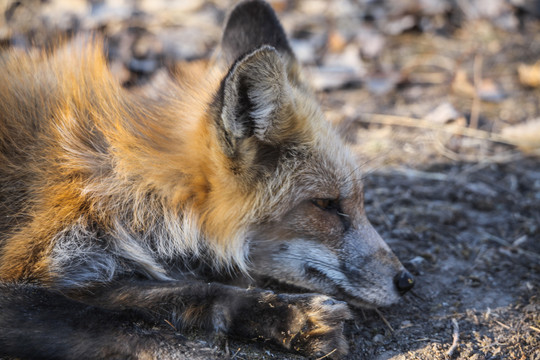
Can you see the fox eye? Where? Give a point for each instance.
(325, 204)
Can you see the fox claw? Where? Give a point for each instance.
(321, 331)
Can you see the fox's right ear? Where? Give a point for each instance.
(255, 95)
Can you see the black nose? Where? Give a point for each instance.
(404, 281)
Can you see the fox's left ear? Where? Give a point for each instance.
(250, 25)
(252, 98)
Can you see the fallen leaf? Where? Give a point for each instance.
(529, 75)
(336, 42)
(462, 85)
(525, 135)
(443, 114)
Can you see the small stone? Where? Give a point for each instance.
(378, 339)
(443, 113)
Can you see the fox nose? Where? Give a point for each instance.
(404, 281)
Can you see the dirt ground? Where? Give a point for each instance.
(441, 102)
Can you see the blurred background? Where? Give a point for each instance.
(461, 63)
(440, 100)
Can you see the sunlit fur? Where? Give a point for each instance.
(79, 152)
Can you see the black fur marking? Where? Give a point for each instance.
(38, 323)
(264, 29)
(227, 141)
(244, 106)
(268, 156)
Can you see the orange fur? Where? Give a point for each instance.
(86, 141)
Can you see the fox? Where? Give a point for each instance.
(121, 211)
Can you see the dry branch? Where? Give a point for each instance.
(455, 340)
(424, 124)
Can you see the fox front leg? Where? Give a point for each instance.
(311, 324)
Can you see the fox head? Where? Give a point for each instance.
(290, 179)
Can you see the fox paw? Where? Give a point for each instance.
(316, 326)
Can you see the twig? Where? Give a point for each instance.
(170, 324)
(425, 124)
(534, 328)
(330, 353)
(412, 173)
(384, 320)
(455, 340)
(496, 239)
(236, 353)
(503, 325)
(427, 339)
(475, 108)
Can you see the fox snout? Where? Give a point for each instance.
(401, 282)
(375, 275)
(359, 268)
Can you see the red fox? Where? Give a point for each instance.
(119, 210)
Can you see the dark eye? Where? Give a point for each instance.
(325, 204)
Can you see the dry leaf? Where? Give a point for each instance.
(462, 85)
(525, 135)
(443, 114)
(336, 42)
(529, 75)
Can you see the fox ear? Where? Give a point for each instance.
(251, 98)
(250, 25)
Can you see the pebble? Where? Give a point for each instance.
(378, 339)
(443, 113)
